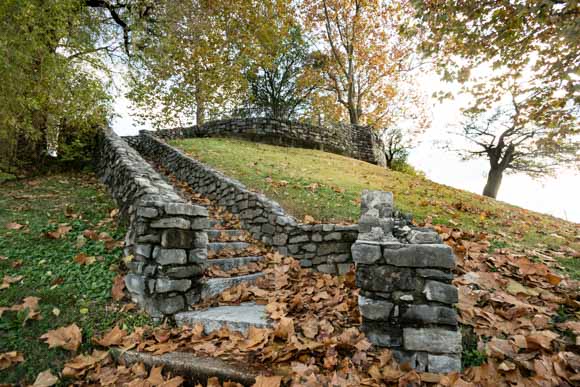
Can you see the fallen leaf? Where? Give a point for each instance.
(61, 231)
(45, 379)
(308, 219)
(113, 337)
(14, 226)
(56, 312)
(268, 381)
(118, 286)
(8, 280)
(310, 327)
(84, 259)
(69, 337)
(8, 359)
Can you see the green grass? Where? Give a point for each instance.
(288, 174)
(82, 293)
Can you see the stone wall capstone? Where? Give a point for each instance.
(166, 236)
(324, 247)
(355, 141)
(406, 296)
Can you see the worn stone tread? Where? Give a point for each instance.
(232, 263)
(214, 286)
(196, 369)
(237, 317)
(213, 235)
(221, 246)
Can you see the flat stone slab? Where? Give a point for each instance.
(231, 263)
(214, 286)
(237, 317)
(194, 368)
(213, 235)
(220, 246)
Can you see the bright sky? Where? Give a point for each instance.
(558, 196)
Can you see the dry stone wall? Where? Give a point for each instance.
(166, 236)
(324, 247)
(406, 296)
(350, 140)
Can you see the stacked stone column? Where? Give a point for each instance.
(168, 245)
(406, 296)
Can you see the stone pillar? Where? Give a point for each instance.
(406, 296)
(168, 245)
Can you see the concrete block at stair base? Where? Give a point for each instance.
(386, 279)
(187, 271)
(440, 292)
(238, 318)
(430, 314)
(423, 237)
(180, 223)
(166, 285)
(435, 274)
(382, 335)
(373, 309)
(198, 256)
(435, 340)
(433, 256)
(143, 250)
(177, 239)
(169, 256)
(200, 224)
(366, 253)
(444, 363)
(185, 209)
(214, 286)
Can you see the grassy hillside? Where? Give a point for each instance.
(327, 187)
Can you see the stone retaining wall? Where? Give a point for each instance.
(324, 247)
(354, 141)
(166, 236)
(406, 297)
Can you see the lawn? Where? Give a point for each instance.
(33, 246)
(328, 186)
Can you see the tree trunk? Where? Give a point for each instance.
(493, 182)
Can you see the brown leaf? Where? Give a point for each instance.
(118, 286)
(155, 376)
(45, 379)
(80, 364)
(8, 280)
(268, 381)
(84, 259)
(310, 327)
(284, 328)
(308, 219)
(69, 337)
(173, 382)
(61, 231)
(8, 359)
(114, 337)
(14, 226)
(541, 339)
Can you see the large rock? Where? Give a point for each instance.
(429, 256)
(430, 314)
(440, 292)
(374, 309)
(434, 340)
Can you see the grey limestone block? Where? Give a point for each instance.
(201, 240)
(435, 274)
(430, 314)
(377, 203)
(187, 271)
(386, 279)
(424, 256)
(374, 309)
(200, 224)
(169, 256)
(434, 340)
(165, 285)
(136, 283)
(366, 253)
(343, 268)
(143, 250)
(185, 209)
(444, 363)
(440, 292)
(383, 335)
(327, 268)
(280, 239)
(147, 212)
(198, 256)
(179, 223)
(416, 236)
(177, 239)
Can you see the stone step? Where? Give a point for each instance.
(237, 317)
(213, 235)
(214, 286)
(214, 222)
(231, 263)
(195, 369)
(221, 246)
